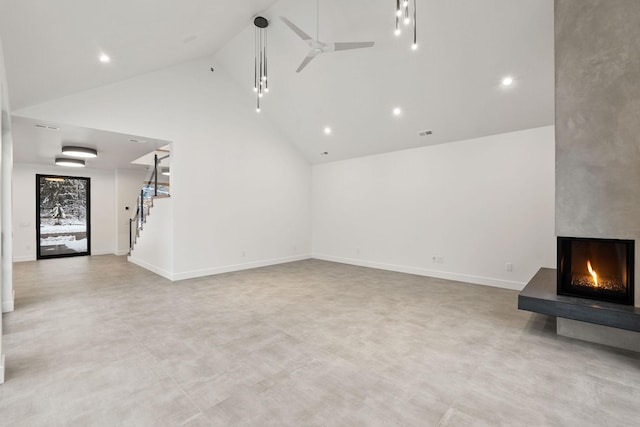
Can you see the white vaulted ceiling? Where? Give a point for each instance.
(450, 85)
(51, 47)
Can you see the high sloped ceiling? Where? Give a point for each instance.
(51, 47)
(450, 85)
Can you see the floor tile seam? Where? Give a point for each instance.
(465, 389)
(179, 387)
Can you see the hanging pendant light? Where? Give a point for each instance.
(260, 80)
(404, 13)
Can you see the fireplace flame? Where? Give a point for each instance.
(593, 273)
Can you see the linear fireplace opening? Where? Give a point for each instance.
(600, 269)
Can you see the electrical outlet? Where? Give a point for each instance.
(508, 267)
(438, 259)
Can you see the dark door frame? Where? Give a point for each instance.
(88, 216)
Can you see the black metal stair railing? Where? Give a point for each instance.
(151, 189)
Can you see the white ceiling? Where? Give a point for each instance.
(51, 47)
(34, 144)
(450, 85)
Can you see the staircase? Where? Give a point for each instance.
(152, 189)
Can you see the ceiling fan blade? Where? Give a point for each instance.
(298, 31)
(352, 45)
(306, 61)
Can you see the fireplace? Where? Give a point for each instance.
(600, 269)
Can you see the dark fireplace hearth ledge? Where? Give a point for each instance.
(540, 296)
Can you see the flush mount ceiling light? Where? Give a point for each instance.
(403, 13)
(507, 81)
(104, 58)
(260, 81)
(79, 152)
(397, 111)
(73, 163)
(327, 130)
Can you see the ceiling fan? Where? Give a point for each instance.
(318, 47)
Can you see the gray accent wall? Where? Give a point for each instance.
(597, 54)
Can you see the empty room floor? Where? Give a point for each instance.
(99, 341)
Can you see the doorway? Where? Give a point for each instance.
(63, 216)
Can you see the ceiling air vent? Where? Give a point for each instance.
(47, 127)
(425, 133)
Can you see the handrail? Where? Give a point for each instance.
(140, 216)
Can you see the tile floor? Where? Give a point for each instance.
(98, 341)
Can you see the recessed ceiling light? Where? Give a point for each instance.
(73, 163)
(507, 81)
(104, 58)
(397, 111)
(79, 152)
(327, 130)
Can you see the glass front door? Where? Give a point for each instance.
(63, 216)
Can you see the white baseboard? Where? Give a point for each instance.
(237, 267)
(1, 368)
(419, 271)
(8, 306)
(122, 252)
(96, 253)
(24, 258)
(164, 273)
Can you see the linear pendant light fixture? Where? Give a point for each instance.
(79, 152)
(403, 14)
(260, 81)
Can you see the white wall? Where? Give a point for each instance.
(103, 223)
(154, 249)
(478, 203)
(6, 288)
(128, 185)
(240, 191)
